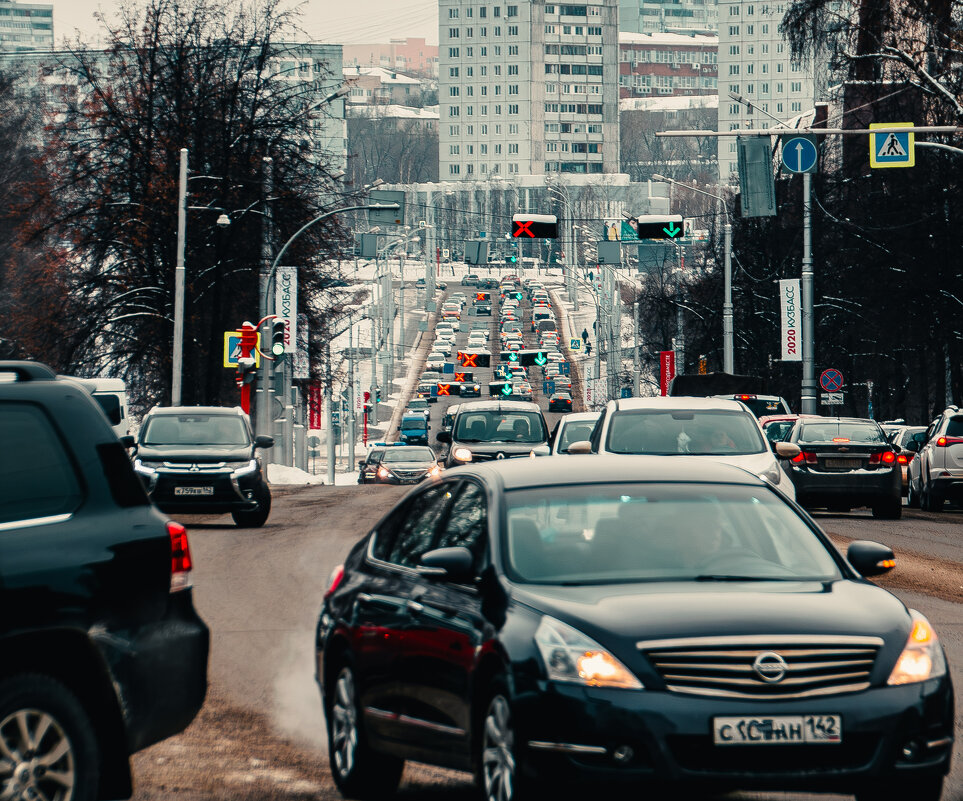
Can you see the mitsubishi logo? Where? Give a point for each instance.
(500, 455)
(195, 469)
(770, 667)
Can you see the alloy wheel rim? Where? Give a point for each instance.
(344, 723)
(498, 757)
(36, 758)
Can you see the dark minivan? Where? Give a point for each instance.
(103, 653)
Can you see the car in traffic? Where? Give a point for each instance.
(936, 475)
(574, 427)
(483, 309)
(469, 389)
(204, 460)
(368, 467)
(776, 427)
(413, 429)
(470, 280)
(104, 653)
(495, 430)
(692, 429)
(560, 402)
(406, 464)
(761, 405)
(419, 406)
(436, 360)
(843, 463)
(649, 622)
(901, 436)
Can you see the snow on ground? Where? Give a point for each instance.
(281, 474)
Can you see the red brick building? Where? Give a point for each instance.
(667, 64)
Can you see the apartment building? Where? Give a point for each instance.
(527, 88)
(660, 64)
(408, 55)
(26, 26)
(668, 16)
(754, 63)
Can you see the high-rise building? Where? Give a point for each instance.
(527, 88)
(668, 16)
(754, 63)
(26, 26)
(658, 64)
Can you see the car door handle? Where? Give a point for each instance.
(415, 608)
(363, 598)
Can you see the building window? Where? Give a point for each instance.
(498, 69)
(512, 128)
(482, 12)
(469, 33)
(513, 108)
(454, 169)
(453, 33)
(454, 111)
(453, 72)
(453, 91)
(513, 50)
(453, 13)
(513, 69)
(796, 106)
(512, 11)
(452, 52)
(483, 149)
(454, 150)
(454, 130)
(733, 11)
(513, 89)
(733, 69)
(795, 87)
(513, 30)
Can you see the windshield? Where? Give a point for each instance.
(608, 534)
(414, 424)
(777, 430)
(761, 407)
(408, 455)
(500, 426)
(574, 432)
(704, 432)
(842, 432)
(195, 429)
(418, 404)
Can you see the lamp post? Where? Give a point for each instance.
(728, 351)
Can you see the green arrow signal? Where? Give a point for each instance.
(671, 229)
(518, 296)
(513, 357)
(540, 359)
(507, 389)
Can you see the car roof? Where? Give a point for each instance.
(682, 402)
(523, 473)
(172, 410)
(577, 417)
(498, 406)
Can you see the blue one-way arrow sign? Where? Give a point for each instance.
(800, 154)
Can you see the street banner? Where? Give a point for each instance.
(667, 365)
(302, 364)
(315, 405)
(790, 335)
(286, 304)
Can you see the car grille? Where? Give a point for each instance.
(416, 473)
(699, 754)
(488, 457)
(725, 666)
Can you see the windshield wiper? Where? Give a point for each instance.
(726, 577)
(471, 440)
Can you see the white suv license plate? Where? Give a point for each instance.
(193, 490)
(778, 730)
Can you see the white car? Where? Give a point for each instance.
(692, 428)
(436, 361)
(477, 342)
(571, 428)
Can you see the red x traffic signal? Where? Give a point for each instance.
(535, 226)
(444, 389)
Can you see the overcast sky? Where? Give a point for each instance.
(335, 21)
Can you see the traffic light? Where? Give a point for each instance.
(656, 226)
(513, 259)
(535, 226)
(277, 338)
(526, 358)
(246, 370)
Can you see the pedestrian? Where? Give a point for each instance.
(588, 348)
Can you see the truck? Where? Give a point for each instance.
(750, 390)
(111, 395)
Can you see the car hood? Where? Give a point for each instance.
(408, 465)
(193, 453)
(629, 613)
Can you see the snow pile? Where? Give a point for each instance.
(282, 474)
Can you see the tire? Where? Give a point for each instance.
(924, 788)
(498, 761)
(837, 509)
(912, 497)
(358, 771)
(42, 703)
(256, 517)
(889, 510)
(929, 501)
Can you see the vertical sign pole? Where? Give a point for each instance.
(808, 405)
(728, 349)
(328, 416)
(637, 388)
(265, 410)
(352, 433)
(178, 354)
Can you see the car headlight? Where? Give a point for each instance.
(145, 468)
(571, 656)
(383, 472)
(436, 470)
(922, 658)
(772, 474)
(461, 454)
(243, 468)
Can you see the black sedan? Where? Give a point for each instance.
(560, 402)
(645, 621)
(844, 463)
(406, 464)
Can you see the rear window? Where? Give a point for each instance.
(955, 427)
(112, 408)
(869, 433)
(703, 432)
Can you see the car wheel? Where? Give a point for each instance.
(358, 771)
(930, 501)
(889, 510)
(49, 744)
(256, 517)
(928, 788)
(912, 497)
(498, 769)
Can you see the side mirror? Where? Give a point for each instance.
(128, 441)
(582, 446)
(361, 464)
(870, 558)
(787, 450)
(443, 436)
(263, 441)
(913, 445)
(453, 564)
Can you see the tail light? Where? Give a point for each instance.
(337, 576)
(942, 442)
(805, 456)
(745, 397)
(886, 457)
(905, 458)
(181, 562)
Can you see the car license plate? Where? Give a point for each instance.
(410, 480)
(849, 464)
(778, 730)
(193, 490)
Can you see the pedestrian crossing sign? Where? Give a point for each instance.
(892, 148)
(575, 343)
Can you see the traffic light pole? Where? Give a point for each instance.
(352, 433)
(265, 402)
(808, 405)
(328, 417)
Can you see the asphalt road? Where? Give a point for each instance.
(262, 733)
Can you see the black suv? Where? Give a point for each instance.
(488, 430)
(103, 651)
(204, 460)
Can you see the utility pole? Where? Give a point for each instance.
(179, 271)
(728, 348)
(808, 405)
(352, 425)
(373, 417)
(636, 378)
(328, 416)
(265, 404)
(679, 335)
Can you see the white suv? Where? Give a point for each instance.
(704, 428)
(936, 475)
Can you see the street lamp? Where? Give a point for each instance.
(728, 354)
